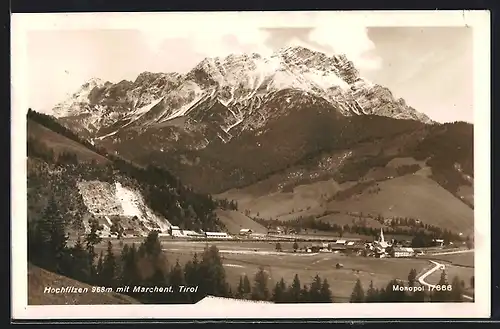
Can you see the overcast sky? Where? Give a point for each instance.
(431, 68)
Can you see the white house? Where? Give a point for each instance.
(245, 231)
(402, 252)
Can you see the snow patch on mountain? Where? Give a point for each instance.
(147, 107)
(107, 135)
(325, 80)
(183, 109)
(142, 111)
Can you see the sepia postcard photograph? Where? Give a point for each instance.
(251, 164)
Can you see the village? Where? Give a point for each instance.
(380, 248)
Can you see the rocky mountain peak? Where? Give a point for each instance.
(241, 83)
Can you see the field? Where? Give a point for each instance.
(465, 259)
(344, 219)
(464, 273)
(235, 221)
(284, 205)
(246, 258)
(413, 196)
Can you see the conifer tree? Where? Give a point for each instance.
(47, 240)
(91, 240)
(457, 290)
(247, 288)
(394, 296)
(151, 246)
(130, 273)
(98, 278)
(326, 293)
(260, 290)
(177, 280)
(190, 270)
(230, 293)
(358, 294)
(279, 292)
(371, 293)
(58, 237)
(304, 295)
(315, 290)
(294, 290)
(121, 268)
(80, 264)
(239, 289)
(109, 267)
(192, 277)
(212, 273)
(412, 276)
(439, 294)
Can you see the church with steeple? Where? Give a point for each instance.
(379, 246)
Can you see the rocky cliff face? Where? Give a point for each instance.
(115, 202)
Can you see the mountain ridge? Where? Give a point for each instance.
(241, 83)
(297, 116)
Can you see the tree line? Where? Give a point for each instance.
(423, 234)
(227, 204)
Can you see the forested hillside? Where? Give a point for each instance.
(54, 176)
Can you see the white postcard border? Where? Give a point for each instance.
(479, 21)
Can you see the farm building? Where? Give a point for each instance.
(216, 235)
(402, 252)
(245, 231)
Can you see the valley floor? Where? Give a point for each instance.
(246, 258)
